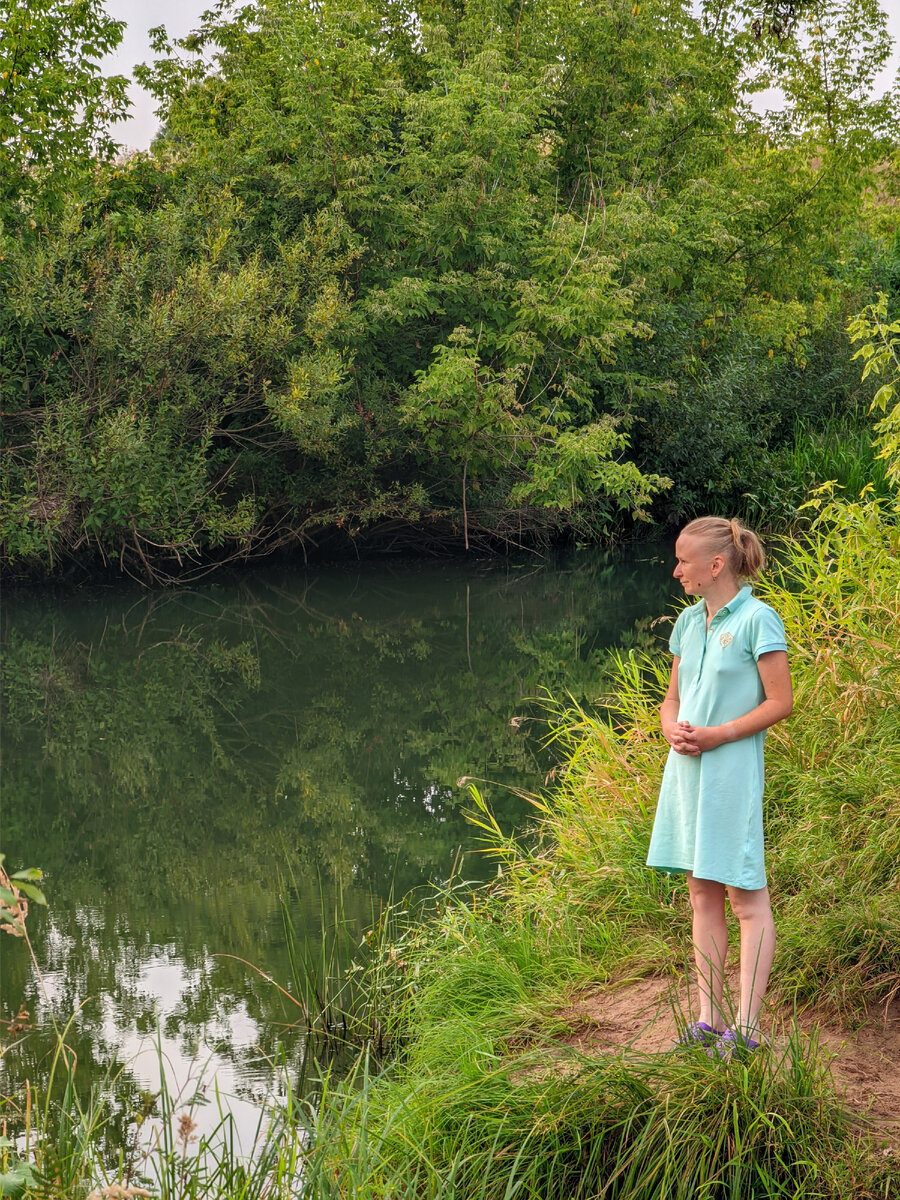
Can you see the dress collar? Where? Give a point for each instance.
(734, 603)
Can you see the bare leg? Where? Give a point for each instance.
(754, 912)
(710, 937)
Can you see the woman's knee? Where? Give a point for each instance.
(706, 894)
(750, 905)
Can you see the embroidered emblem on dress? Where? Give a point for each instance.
(726, 639)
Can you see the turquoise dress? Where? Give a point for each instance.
(709, 815)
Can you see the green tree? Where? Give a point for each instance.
(156, 372)
(826, 63)
(485, 269)
(56, 106)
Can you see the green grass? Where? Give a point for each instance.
(839, 451)
(617, 1126)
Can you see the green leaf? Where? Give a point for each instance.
(30, 874)
(883, 396)
(14, 1181)
(33, 893)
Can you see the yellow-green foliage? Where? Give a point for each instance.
(834, 769)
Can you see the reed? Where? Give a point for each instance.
(838, 451)
(834, 771)
(66, 1154)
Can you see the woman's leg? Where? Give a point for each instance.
(710, 937)
(754, 912)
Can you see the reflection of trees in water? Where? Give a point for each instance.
(166, 756)
(96, 967)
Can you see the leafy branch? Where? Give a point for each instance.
(880, 353)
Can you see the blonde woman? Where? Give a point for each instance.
(730, 682)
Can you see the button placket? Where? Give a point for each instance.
(717, 620)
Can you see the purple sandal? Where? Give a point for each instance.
(697, 1034)
(730, 1043)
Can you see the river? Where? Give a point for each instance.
(177, 761)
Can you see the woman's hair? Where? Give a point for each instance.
(739, 546)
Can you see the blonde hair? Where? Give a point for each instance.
(738, 545)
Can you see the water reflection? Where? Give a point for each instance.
(167, 755)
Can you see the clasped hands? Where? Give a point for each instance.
(685, 738)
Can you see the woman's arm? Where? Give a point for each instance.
(775, 676)
(673, 729)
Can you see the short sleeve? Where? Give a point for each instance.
(677, 633)
(767, 631)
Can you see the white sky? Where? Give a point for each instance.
(181, 16)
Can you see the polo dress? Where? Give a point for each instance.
(709, 815)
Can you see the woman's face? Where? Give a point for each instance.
(695, 567)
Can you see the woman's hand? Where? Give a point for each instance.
(685, 738)
(696, 739)
(674, 733)
(681, 735)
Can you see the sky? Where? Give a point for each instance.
(181, 16)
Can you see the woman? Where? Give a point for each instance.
(730, 682)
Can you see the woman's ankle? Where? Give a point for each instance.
(714, 1020)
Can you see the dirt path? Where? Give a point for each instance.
(641, 1014)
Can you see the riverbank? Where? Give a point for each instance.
(517, 1071)
(837, 447)
(497, 1090)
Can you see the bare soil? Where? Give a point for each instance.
(643, 1015)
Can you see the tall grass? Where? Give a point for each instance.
(341, 976)
(58, 1148)
(621, 1126)
(838, 451)
(834, 771)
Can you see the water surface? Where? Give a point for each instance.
(175, 761)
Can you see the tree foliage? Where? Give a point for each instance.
(55, 103)
(880, 353)
(488, 271)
